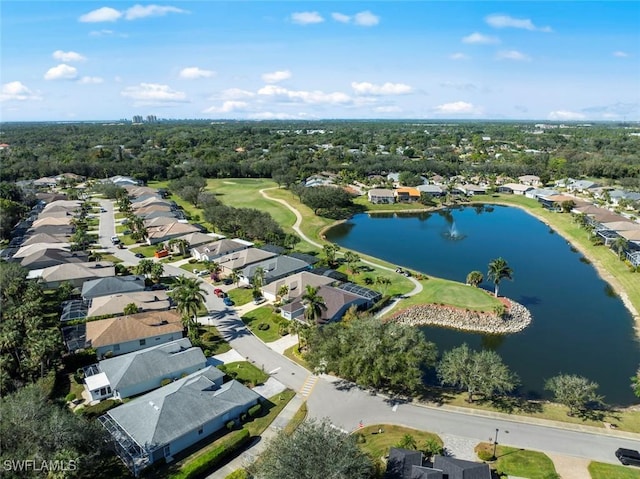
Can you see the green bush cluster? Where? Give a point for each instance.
(263, 326)
(70, 397)
(210, 459)
(239, 474)
(79, 359)
(230, 425)
(255, 410)
(99, 409)
(165, 381)
(485, 455)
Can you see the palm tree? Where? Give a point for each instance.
(234, 276)
(157, 269)
(314, 304)
(258, 277)
(189, 299)
(499, 270)
(475, 278)
(282, 292)
(351, 259)
(620, 246)
(330, 251)
(145, 266)
(383, 282)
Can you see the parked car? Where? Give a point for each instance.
(227, 281)
(158, 287)
(227, 301)
(628, 457)
(102, 210)
(259, 300)
(115, 240)
(196, 271)
(139, 255)
(217, 292)
(204, 272)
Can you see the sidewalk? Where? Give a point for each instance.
(249, 455)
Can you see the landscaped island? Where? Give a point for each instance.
(513, 320)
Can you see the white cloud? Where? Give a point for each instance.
(17, 91)
(458, 56)
(270, 115)
(68, 57)
(459, 85)
(236, 94)
(620, 54)
(106, 33)
(87, 80)
(479, 38)
(366, 19)
(61, 72)
(153, 93)
(306, 18)
(143, 11)
(228, 107)
(388, 109)
(194, 73)
(366, 88)
(455, 108)
(311, 97)
(277, 76)
(505, 21)
(565, 115)
(341, 17)
(512, 55)
(104, 14)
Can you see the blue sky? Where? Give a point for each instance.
(106, 60)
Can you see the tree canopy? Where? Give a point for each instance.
(575, 392)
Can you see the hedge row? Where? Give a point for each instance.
(211, 459)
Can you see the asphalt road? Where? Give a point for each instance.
(346, 406)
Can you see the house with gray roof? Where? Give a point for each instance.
(274, 268)
(582, 185)
(141, 371)
(216, 249)
(408, 464)
(112, 285)
(336, 301)
(381, 196)
(46, 258)
(74, 273)
(242, 259)
(433, 190)
(158, 425)
(295, 285)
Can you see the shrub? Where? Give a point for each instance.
(230, 425)
(193, 261)
(80, 359)
(99, 409)
(165, 381)
(239, 474)
(263, 326)
(210, 459)
(360, 439)
(243, 417)
(485, 455)
(70, 397)
(255, 410)
(283, 330)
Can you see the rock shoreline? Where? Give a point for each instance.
(516, 318)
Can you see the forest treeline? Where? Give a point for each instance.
(292, 151)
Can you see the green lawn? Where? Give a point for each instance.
(264, 315)
(377, 444)
(364, 202)
(520, 462)
(241, 296)
(293, 354)
(367, 274)
(297, 419)
(110, 257)
(191, 266)
(212, 342)
(245, 372)
(436, 290)
(599, 470)
(147, 250)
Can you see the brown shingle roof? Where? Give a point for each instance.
(135, 326)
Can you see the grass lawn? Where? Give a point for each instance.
(191, 266)
(245, 372)
(297, 419)
(436, 290)
(377, 445)
(147, 250)
(241, 296)
(293, 354)
(364, 201)
(264, 315)
(110, 257)
(519, 462)
(212, 342)
(600, 470)
(368, 274)
(563, 223)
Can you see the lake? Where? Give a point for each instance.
(579, 325)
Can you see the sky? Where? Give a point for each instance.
(109, 60)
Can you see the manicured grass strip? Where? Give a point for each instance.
(241, 296)
(377, 444)
(297, 419)
(600, 470)
(442, 291)
(191, 266)
(293, 354)
(147, 251)
(364, 201)
(520, 462)
(270, 410)
(266, 316)
(112, 258)
(245, 372)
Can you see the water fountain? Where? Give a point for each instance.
(453, 234)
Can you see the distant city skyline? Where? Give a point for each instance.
(261, 60)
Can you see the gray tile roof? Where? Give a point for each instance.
(276, 268)
(168, 413)
(162, 361)
(112, 285)
(460, 469)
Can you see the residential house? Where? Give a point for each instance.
(112, 285)
(30, 249)
(432, 190)
(471, 190)
(582, 185)
(274, 269)
(381, 195)
(44, 238)
(125, 334)
(197, 238)
(408, 464)
(213, 251)
(514, 188)
(123, 181)
(406, 194)
(141, 371)
(296, 285)
(159, 234)
(241, 259)
(616, 196)
(45, 182)
(530, 180)
(60, 231)
(46, 258)
(158, 425)
(52, 221)
(74, 273)
(114, 304)
(540, 192)
(370, 296)
(337, 302)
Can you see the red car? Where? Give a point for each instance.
(218, 292)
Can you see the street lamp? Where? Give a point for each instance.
(495, 443)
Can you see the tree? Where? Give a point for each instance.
(131, 308)
(182, 244)
(352, 260)
(499, 270)
(567, 206)
(620, 245)
(283, 293)
(476, 372)
(635, 383)
(475, 278)
(145, 267)
(234, 276)
(258, 277)
(330, 251)
(314, 450)
(314, 304)
(157, 270)
(575, 392)
(407, 442)
(383, 282)
(189, 299)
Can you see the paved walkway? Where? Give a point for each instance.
(249, 455)
(569, 467)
